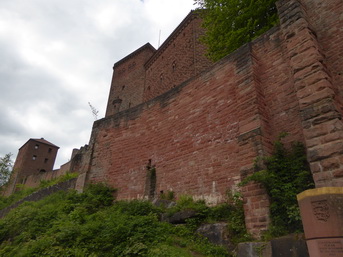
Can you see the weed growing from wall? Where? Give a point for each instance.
(286, 174)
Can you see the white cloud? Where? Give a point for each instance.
(57, 55)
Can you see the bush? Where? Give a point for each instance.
(92, 224)
(287, 174)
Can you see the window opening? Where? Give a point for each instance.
(174, 65)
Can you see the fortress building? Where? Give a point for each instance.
(35, 159)
(200, 126)
(147, 73)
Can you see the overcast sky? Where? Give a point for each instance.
(57, 55)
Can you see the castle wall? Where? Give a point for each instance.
(202, 136)
(330, 37)
(195, 132)
(327, 20)
(314, 54)
(179, 58)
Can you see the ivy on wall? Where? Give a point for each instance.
(286, 174)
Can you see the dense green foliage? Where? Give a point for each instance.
(286, 174)
(231, 212)
(5, 168)
(231, 23)
(91, 224)
(25, 191)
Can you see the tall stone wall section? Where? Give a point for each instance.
(313, 34)
(202, 136)
(179, 58)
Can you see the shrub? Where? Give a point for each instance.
(286, 174)
(92, 224)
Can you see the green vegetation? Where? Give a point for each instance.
(231, 212)
(67, 176)
(5, 168)
(92, 224)
(26, 191)
(169, 195)
(286, 174)
(231, 23)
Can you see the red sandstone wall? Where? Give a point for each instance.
(192, 144)
(327, 20)
(313, 60)
(181, 57)
(326, 136)
(279, 105)
(204, 134)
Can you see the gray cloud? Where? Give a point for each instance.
(57, 55)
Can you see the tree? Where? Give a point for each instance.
(231, 23)
(5, 168)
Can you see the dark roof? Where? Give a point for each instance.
(146, 46)
(40, 140)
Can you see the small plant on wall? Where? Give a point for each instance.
(286, 174)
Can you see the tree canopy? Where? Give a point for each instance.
(5, 168)
(231, 23)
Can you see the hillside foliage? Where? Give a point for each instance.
(231, 23)
(22, 191)
(92, 224)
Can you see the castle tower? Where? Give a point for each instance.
(128, 80)
(34, 157)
